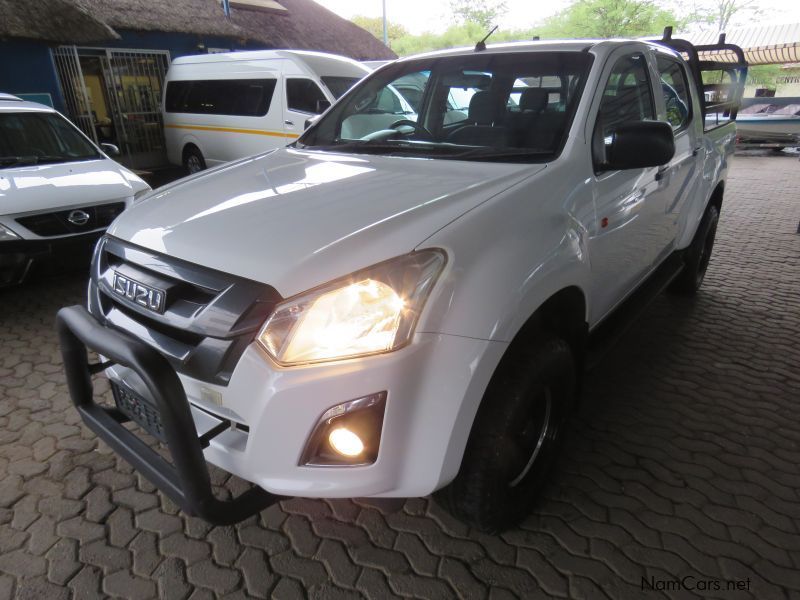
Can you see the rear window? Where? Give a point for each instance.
(235, 97)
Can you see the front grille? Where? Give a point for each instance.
(209, 317)
(58, 223)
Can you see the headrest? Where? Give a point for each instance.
(533, 99)
(484, 108)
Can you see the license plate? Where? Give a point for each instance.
(139, 410)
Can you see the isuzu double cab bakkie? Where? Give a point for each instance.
(392, 306)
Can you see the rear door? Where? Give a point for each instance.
(304, 99)
(625, 239)
(681, 176)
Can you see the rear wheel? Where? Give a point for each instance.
(698, 255)
(193, 160)
(515, 436)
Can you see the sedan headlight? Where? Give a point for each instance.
(6, 235)
(369, 312)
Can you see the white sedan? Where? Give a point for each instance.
(57, 188)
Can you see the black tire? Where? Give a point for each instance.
(515, 436)
(697, 255)
(193, 160)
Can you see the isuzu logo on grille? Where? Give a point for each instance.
(143, 295)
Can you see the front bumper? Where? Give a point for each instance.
(186, 480)
(433, 386)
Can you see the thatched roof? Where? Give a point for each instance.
(303, 25)
(51, 20)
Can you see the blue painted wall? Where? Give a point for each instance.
(27, 67)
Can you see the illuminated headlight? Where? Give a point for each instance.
(6, 235)
(369, 312)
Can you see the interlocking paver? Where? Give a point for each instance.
(684, 458)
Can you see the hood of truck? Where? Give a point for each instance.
(295, 219)
(58, 186)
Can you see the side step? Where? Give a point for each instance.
(613, 328)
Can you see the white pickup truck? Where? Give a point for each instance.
(409, 310)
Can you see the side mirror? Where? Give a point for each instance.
(110, 149)
(310, 121)
(322, 106)
(640, 144)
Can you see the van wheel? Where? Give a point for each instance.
(515, 437)
(697, 255)
(193, 160)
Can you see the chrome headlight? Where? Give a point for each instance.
(6, 235)
(369, 312)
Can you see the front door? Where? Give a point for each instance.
(624, 240)
(304, 99)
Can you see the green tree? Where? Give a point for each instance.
(609, 18)
(719, 13)
(481, 12)
(374, 25)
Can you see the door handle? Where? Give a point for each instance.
(662, 171)
(287, 122)
(696, 151)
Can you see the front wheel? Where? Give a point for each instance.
(193, 160)
(515, 436)
(698, 255)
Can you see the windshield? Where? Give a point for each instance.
(339, 85)
(32, 138)
(510, 107)
(791, 109)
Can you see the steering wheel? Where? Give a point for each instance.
(417, 127)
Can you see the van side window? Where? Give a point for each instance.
(676, 92)
(236, 97)
(304, 95)
(627, 98)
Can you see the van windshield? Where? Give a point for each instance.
(339, 85)
(510, 107)
(33, 138)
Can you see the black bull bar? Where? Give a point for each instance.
(186, 481)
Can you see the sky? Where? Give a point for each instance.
(434, 15)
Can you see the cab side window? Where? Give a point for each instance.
(627, 98)
(676, 92)
(304, 95)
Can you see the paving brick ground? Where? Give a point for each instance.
(682, 462)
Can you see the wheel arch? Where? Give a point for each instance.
(563, 313)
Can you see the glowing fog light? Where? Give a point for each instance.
(345, 442)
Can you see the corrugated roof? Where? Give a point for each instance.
(762, 45)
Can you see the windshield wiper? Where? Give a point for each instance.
(490, 154)
(12, 161)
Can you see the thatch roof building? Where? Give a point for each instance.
(298, 24)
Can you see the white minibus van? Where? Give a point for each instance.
(220, 107)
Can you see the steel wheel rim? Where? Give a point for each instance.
(193, 164)
(545, 430)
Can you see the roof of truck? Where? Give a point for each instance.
(535, 46)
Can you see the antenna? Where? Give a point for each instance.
(667, 33)
(481, 46)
